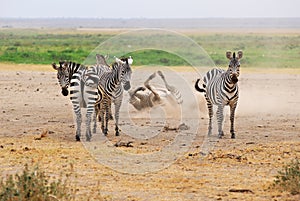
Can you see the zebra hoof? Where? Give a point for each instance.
(233, 136)
(77, 138)
(152, 76)
(88, 138)
(105, 131)
(209, 132)
(117, 133)
(141, 89)
(221, 134)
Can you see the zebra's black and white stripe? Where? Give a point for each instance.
(111, 86)
(221, 89)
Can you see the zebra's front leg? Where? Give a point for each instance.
(117, 123)
(232, 113)
(220, 117)
(117, 103)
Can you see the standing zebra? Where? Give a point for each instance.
(110, 89)
(83, 83)
(221, 89)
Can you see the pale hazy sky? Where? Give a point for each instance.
(149, 8)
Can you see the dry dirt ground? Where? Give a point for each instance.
(268, 137)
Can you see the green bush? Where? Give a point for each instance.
(33, 185)
(289, 178)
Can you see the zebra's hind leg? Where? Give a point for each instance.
(89, 113)
(95, 119)
(220, 117)
(232, 112)
(170, 88)
(156, 97)
(107, 115)
(210, 115)
(103, 129)
(77, 112)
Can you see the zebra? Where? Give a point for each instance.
(140, 98)
(106, 102)
(221, 89)
(83, 83)
(110, 89)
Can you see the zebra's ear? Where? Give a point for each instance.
(54, 66)
(62, 64)
(100, 59)
(239, 54)
(130, 60)
(228, 54)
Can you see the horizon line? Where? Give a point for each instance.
(147, 18)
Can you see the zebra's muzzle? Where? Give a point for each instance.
(234, 79)
(127, 86)
(64, 91)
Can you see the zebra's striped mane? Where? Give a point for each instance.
(73, 68)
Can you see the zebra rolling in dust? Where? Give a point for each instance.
(147, 97)
(221, 89)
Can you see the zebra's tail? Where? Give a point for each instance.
(198, 88)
